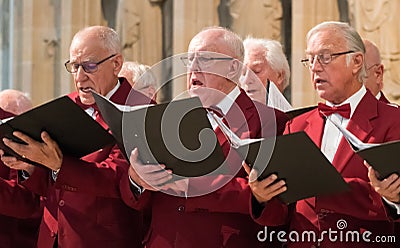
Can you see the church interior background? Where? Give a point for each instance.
(35, 36)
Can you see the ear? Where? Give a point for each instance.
(379, 75)
(358, 61)
(234, 70)
(117, 63)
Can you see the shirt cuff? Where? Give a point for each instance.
(54, 174)
(136, 188)
(393, 205)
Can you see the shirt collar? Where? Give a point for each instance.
(354, 100)
(109, 94)
(226, 103)
(378, 96)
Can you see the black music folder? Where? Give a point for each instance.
(76, 133)
(177, 134)
(296, 159)
(380, 156)
(299, 111)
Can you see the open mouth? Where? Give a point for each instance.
(196, 82)
(319, 81)
(85, 89)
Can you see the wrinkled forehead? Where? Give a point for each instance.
(86, 48)
(202, 44)
(326, 41)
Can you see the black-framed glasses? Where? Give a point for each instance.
(88, 67)
(203, 61)
(323, 58)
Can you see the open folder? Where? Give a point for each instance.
(177, 134)
(380, 156)
(299, 111)
(76, 133)
(292, 157)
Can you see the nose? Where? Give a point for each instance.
(316, 65)
(194, 65)
(80, 74)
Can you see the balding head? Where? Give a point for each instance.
(14, 101)
(374, 67)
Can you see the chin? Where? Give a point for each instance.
(87, 100)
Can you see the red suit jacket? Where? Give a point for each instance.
(20, 209)
(362, 208)
(217, 219)
(83, 207)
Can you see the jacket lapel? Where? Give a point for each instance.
(360, 126)
(315, 127)
(239, 114)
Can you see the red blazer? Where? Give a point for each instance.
(20, 209)
(83, 207)
(383, 98)
(220, 218)
(362, 207)
(20, 212)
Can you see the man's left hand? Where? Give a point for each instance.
(46, 153)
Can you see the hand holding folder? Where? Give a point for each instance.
(294, 158)
(76, 133)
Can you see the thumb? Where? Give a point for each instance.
(246, 167)
(253, 175)
(134, 156)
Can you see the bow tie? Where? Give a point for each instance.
(343, 110)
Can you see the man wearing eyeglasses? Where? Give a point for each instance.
(83, 207)
(211, 210)
(375, 69)
(335, 59)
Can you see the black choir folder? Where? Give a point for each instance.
(76, 133)
(382, 157)
(177, 134)
(299, 111)
(294, 158)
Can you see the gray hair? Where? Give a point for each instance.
(233, 41)
(107, 35)
(142, 76)
(350, 35)
(274, 55)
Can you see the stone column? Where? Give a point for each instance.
(306, 14)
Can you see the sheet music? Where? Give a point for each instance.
(276, 99)
(355, 143)
(232, 138)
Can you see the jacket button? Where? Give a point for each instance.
(61, 203)
(181, 208)
(52, 234)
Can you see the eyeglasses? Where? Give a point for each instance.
(88, 67)
(372, 66)
(323, 58)
(203, 61)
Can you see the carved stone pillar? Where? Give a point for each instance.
(306, 14)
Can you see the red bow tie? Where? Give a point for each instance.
(343, 110)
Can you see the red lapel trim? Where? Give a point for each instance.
(359, 125)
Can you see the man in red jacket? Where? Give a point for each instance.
(212, 210)
(363, 215)
(20, 209)
(83, 207)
